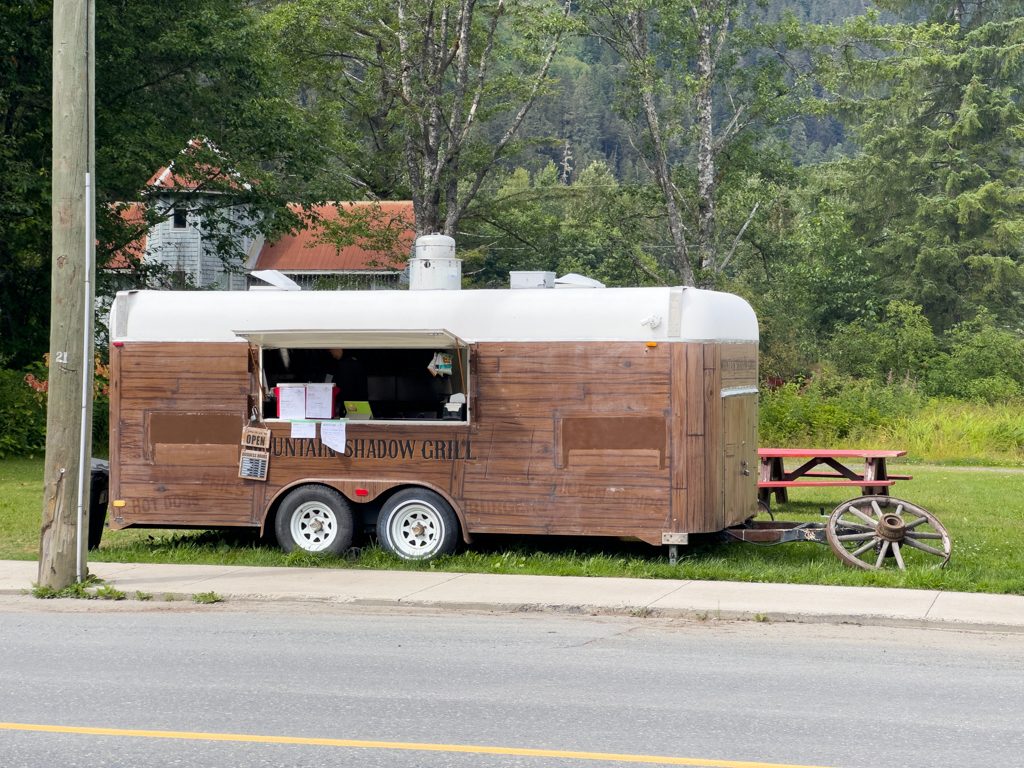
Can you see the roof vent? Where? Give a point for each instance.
(278, 281)
(531, 279)
(434, 266)
(572, 280)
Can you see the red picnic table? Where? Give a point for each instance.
(773, 477)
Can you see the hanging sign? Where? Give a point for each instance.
(256, 439)
(253, 465)
(255, 458)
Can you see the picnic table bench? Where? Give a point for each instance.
(773, 477)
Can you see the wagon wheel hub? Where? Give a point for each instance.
(891, 528)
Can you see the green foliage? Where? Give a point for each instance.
(831, 409)
(985, 363)
(975, 360)
(206, 598)
(108, 592)
(22, 416)
(140, 595)
(23, 413)
(92, 588)
(25, 34)
(412, 89)
(593, 226)
(956, 433)
(938, 190)
(811, 279)
(167, 72)
(899, 347)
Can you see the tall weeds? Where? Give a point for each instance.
(961, 433)
(839, 412)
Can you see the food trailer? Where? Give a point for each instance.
(586, 411)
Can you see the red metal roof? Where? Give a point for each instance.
(166, 178)
(305, 252)
(134, 214)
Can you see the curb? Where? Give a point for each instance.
(638, 612)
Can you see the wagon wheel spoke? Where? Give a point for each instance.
(899, 556)
(856, 527)
(915, 523)
(861, 550)
(862, 516)
(874, 506)
(924, 547)
(923, 535)
(857, 537)
(881, 554)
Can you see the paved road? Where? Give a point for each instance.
(801, 695)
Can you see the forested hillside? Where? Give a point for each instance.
(853, 170)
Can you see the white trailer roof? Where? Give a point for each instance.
(612, 314)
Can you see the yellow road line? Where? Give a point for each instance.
(397, 745)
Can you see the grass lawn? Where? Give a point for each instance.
(983, 510)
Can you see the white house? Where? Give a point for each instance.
(185, 244)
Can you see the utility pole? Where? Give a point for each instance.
(64, 540)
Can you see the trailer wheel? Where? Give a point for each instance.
(417, 524)
(314, 518)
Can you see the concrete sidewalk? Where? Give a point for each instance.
(569, 594)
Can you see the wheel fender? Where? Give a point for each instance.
(345, 487)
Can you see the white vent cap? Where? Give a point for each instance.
(573, 280)
(276, 279)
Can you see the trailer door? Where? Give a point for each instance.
(739, 464)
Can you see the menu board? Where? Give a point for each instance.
(319, 401)
(291, 403)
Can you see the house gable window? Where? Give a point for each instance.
(180, 219)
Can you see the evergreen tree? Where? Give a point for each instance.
(938, 192)
(798, 142)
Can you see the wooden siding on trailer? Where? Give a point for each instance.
(542, 469)
(173, 461)
(612, 439)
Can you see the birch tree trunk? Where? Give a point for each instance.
(441, 87)
(706, 182)
(640, 57)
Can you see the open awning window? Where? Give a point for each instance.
(375, 339)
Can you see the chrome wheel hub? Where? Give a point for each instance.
(314, 526)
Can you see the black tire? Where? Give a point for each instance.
(314, 518)
(417, 524)
(99, 483)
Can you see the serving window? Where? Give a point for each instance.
(418, 376)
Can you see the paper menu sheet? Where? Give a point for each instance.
(332, 434)
(319, 401)
(303, 429)
(291, 403)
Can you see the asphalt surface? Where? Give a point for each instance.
(790, 694)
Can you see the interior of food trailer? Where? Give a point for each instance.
(391, 377)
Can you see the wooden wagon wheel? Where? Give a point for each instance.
(866, 531)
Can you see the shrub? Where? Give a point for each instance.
(22, 416)
(830, 408)
(23, 411)
(985, 363)
(901, 346)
